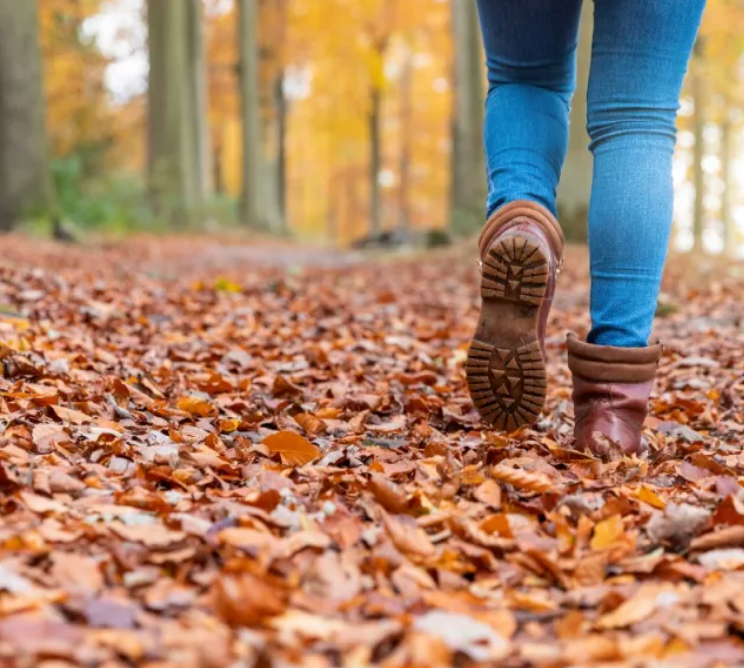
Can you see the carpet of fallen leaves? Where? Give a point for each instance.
(223, 455)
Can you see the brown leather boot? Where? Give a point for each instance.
(521, 249)
(611, 391)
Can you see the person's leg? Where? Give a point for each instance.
(531, 54)
(530, 50)
(639, 57)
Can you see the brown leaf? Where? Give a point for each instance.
(283, 387)
(293, 449)
(388, 494)
(728, 537)
(313, 425)
(637, 608)
(729, 511)
(150, 535)
(407, 536)
(591, 570)
(196, 406)
(526, 480)
(607, 532)
(63, 482)
(246, 600)
(489, 493)
(70, 415)
(678, 524)
(46, 436)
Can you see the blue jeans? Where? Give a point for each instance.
(640, 53)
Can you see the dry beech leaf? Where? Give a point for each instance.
(489, 493)
(246, 600)
(730, 511)
(70, 415)
(728, 537)
(678, 524)
(526, 480)
(313, 425)
(196, 406)
(607, 532)
(647, 495)
(592, 569)
(727, 559)
(407, 536)
(388, 494)
(150, 535)
(637, 608)
(293, 449)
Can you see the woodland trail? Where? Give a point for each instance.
(219, 455)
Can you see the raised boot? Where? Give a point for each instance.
(611, 389)
(521, 249)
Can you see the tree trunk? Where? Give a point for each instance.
(729, 230)
(252, 200)
(25, 186)
(282, 111)
(199, 94)
(576, 178)
(468, 188)
(406, 133)
(176, 148)
(375, 161)
(698, 94)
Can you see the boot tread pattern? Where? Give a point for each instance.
(515, 269)
(510, 391)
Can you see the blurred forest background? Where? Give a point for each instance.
(327, 119)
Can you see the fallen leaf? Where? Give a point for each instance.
(196, 406)
(312, 425)
(489, 493)
(607, 533)
(293, 449)
(70, 415)
(388, 494)
(245, 600)
(464, 634)
(407, 536)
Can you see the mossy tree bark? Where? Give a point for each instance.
(178, 150)
(25, 187)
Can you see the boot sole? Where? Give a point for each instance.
(505, 367)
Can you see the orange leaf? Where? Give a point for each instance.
(196, 406)
(388, 494)
(70, 415)
(647, 495)
(293, 449)
(311, 424)
(607, 532)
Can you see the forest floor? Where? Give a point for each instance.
(221, 455)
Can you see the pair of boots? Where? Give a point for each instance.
(521, 251)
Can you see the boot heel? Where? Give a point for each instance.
(505, 368)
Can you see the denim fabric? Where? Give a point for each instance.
(640, 53)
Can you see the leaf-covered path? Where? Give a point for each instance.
(213, 457)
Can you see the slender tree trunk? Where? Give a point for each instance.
(199, 95)
(729, 231)
(468, 188)
(698, 94)
(176, 158)
(25, 186)
(375, 161)
(282, 111)
(406, 132)
(252, 201)
(576, 178)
